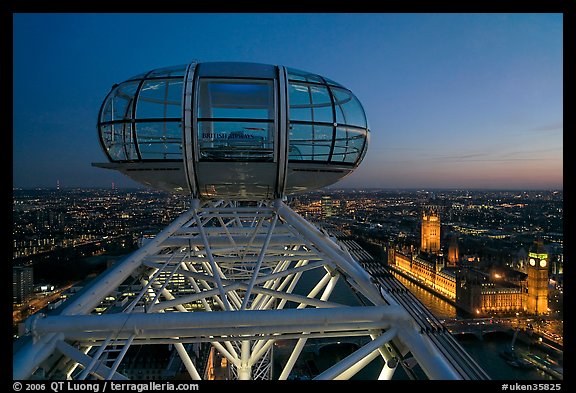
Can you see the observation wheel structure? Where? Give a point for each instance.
(239, 286)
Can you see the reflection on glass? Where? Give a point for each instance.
(327, 122)
(309, 142)
(238, 141)
(174, 71)
(348, 144)
(299, 75)
(160, 98)
(159, 141)
(117, 139)
(236, 99)
(310, 103)
(141, 119)
(119, 103)
(348, 109)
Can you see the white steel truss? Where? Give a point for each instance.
(229, 275)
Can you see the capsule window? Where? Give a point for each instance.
(236, 99)
(348, 109)
(310, 142)
(160, 99)
(118, 106)
(159, 140)
(236, 120)
(348, 144)
(310, 103)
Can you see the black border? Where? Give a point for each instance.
(409, 6)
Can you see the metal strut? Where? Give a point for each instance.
(243, 278)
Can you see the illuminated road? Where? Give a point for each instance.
(524, 324)
(36, 304)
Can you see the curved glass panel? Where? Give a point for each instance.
(152, 131)
(112, 136)
(311, 138)
(119, 103)
(173, 71)
(348, 144)
(159, 140)
(236, 140)
(299, 75)
(309, 142)
(348, 109)
(310, 103)
(139, 76)
(236, 118)
(236, 99)
(117, 138)
(332, 83)
(160, 99)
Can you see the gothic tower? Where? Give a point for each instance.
(537, 296)
(430, 231)
(453, 252)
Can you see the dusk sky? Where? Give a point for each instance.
(453, 100)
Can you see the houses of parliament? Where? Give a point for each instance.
(471, 289)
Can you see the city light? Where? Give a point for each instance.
(72, 227)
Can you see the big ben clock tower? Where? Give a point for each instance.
(537, 298)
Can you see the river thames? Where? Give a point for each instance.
(487, 351)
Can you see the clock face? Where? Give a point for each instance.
(532, 262)
(543, 263)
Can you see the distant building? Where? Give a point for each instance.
(22, 283)
(429, 273)
(537, 298)
(472, 290)
(479, 295)
(430, 236)
(326, 207)
(453, 251)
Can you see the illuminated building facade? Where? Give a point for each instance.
(537, 296)
(479, 296)
(443, 281)
(500, 299)
(430, 231)
(22, 283)
(326, 207)
(472, 290)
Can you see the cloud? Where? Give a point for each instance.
(533, 155)
(549, 127)
(491, 155)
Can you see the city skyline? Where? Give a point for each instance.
(84, 231)
(453, 100)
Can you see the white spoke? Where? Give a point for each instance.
(227, 276)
